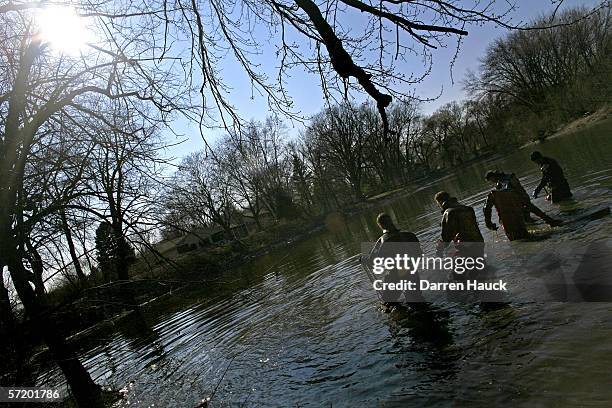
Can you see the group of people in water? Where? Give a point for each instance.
(512, 202)
(460, 233)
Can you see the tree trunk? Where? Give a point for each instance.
(36, 263)
(71, 248)
(7, 319)
(257, 222)
(356, 185)
(122, 266)
(85, 391)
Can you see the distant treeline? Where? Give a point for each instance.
(533, 81)
(529, 83)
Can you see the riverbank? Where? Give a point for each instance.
(590, 120)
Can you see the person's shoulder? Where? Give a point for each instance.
(449, 211)
(460, 208)
(407, 236)
(550, 161)
(467, 208)
(466, 211)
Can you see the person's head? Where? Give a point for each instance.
(441, 197)
(536, 157)
(385, 222)
(492, 176)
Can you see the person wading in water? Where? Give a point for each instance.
(505, 181)
(511, 206)
(460, 237)
(459, 226)
(392, 234)
(553, 179)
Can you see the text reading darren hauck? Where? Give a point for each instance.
(457, 265)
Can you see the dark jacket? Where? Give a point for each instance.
(395, 236)
(398, 236)
(509, 205)
(511, 182)
(393, 276)
(553, 179)
(513, 192)
(459, 221)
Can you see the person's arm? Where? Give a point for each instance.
(375, 249)
(488, 210)
(412, 237)
(444, 240)
(446, 230)
(415, 249)
(518, 187)
(543, 182)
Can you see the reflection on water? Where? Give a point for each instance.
(302, 327)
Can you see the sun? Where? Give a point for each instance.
(62, 29)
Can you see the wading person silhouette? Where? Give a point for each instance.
(505, 181)
(388, 246)
(553, 179)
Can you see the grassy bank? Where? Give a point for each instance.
(590, 120)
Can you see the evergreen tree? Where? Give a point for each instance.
(106, 250)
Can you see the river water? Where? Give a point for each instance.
(301, 327)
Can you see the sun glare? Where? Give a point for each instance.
(62, 29)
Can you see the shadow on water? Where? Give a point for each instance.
(301, 327)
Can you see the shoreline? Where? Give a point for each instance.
(592, 119)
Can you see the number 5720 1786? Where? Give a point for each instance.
(28, 394)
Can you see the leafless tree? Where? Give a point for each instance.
(40, 91)
(341, 134)
(199, 193)
(530, 67)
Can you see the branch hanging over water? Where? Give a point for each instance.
(342, 62)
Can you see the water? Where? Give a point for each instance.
(301, 327)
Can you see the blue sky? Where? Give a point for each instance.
(305, 88)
